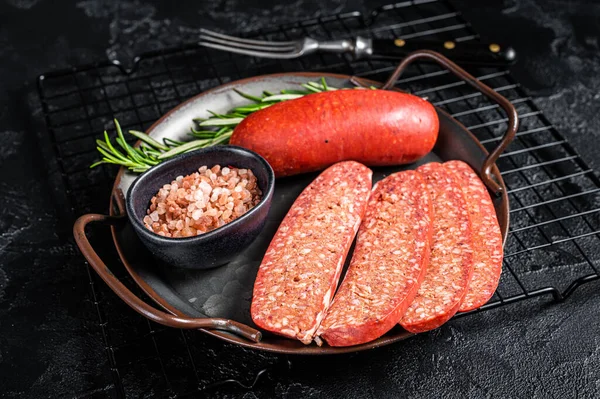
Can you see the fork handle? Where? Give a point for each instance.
(471, 52)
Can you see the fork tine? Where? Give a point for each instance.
(256, 47)
(253, 53)
(215, 35)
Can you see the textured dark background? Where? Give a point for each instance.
(50, 343)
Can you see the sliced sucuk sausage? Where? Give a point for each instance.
(389, 262)
(451, 260)
(302, 266)
(375, 127)
(487, 238)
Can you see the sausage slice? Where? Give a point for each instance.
(487, 238)
(451, 260)
(388, 264)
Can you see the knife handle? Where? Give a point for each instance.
(470, 52)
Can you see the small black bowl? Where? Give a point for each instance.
(216, 247)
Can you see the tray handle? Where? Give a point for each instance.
(136, 303)
(513, 119)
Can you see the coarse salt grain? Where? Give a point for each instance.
(196, 214)
(205, 187)
(203, 201)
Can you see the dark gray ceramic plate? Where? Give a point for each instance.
(226, 292)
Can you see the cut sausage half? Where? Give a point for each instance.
(302, 266)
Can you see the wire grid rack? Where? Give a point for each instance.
(552, 247)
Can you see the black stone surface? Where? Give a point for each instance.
(50, 341)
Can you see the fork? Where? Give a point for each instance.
(276, 50)
(468, 52)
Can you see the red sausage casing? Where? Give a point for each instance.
(388, 264)
(302, 266)
(451, 261)
(374, 127)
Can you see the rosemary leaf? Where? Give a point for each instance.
(122, 142)
(251, 108)
(152, 153)
(109, 148)
(221, 122)
(112, 162)
(133, 155)
(97, 164)
(184, 148)
(102, 144)
(139, 151)
(148, 140)
(203, 135)
(282, 97)
(141, 158)
(151, 161)
(217, 115)
(221, 139)
(114, 153)
(310, 88)
(109, 157)
(324, 84)
(223, 131)
(171, 143)
(248, 96)
(212, 132)
(303, 92)
(139, 169)
(315, 85)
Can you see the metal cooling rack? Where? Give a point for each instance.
(553, 243)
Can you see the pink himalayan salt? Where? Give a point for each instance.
(202, 201)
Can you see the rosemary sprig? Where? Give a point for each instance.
(207, 132)
(151, 152)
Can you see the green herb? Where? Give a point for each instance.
(207, 132)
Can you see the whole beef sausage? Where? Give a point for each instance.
(451, 261)
(388, 264)
(302, 266)
(487, 238)
(374, 127)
